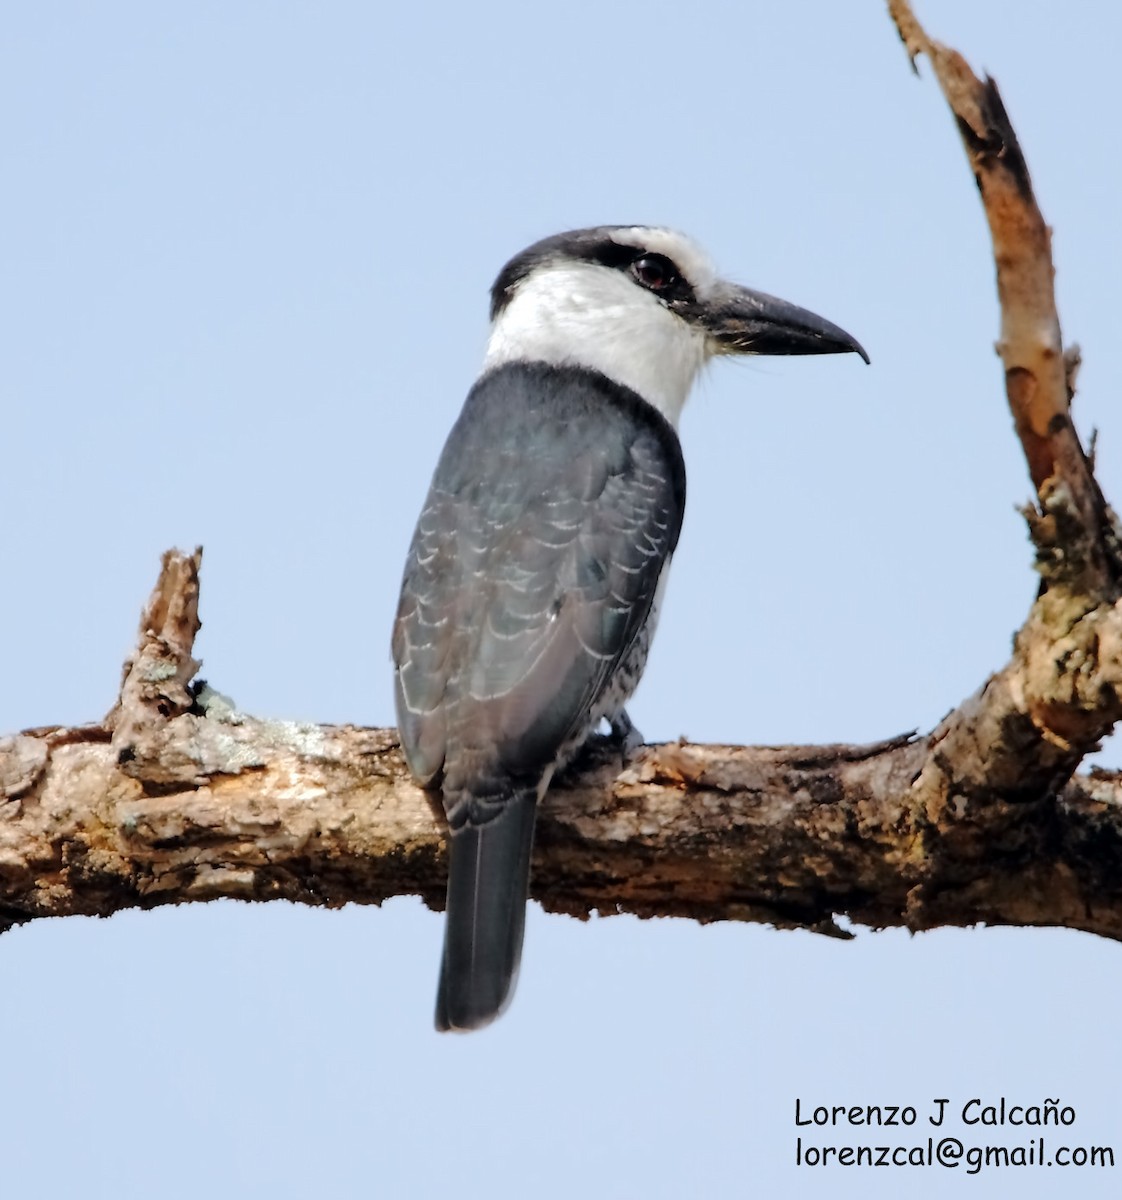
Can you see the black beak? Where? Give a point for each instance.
(741, 321)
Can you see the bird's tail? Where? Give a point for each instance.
(488, 881)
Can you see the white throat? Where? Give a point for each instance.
(592, 316)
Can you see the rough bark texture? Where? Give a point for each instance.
(177, 797)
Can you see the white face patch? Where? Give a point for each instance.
(694, 264)
(582, 313)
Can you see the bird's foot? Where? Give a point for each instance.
(624, 732)
(620, 742)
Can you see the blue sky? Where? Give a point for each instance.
(246, 251)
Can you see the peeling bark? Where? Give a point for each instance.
(178, 797)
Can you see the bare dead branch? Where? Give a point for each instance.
(1039, 377)
(177, 796)
(1036, 719)
(187, 799)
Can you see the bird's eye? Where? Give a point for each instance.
(655, 272)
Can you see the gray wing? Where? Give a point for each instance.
(555, 505)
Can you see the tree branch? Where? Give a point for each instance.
(177, 796)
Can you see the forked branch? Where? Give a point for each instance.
(176, 796)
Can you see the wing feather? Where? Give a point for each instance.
(556, 503)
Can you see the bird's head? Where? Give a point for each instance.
(645, 307)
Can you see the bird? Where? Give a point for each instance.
(531, 587)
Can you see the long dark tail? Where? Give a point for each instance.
(488, 880)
